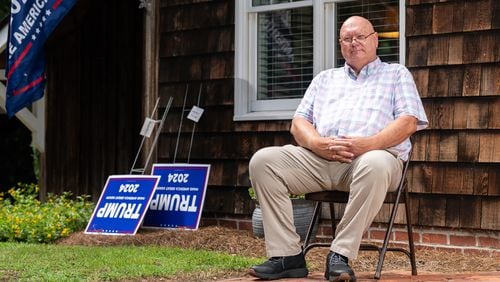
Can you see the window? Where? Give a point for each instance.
(281, 44)
(384, 15)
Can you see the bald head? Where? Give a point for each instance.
(357, 21)
(358, 42)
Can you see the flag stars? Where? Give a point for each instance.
(41, 23)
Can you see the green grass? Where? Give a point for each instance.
(44, 262)
(25, 221)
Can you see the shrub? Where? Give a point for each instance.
(23, 218)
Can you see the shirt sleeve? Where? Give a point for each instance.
(306, 106)
(407, 100)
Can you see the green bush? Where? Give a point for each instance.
(23, 218)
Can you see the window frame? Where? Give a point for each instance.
(246, 106)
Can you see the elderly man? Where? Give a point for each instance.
(352, 127)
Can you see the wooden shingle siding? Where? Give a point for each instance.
(223, 88)
(95, 104)
(458, 80)
(196, 68)
(443, 49)
(226, 146)
(196, 15)
(449, 211)
(490, 212)
(462, 113)
(477, 14)
(455, 178)
(453, 53)
(197, 51)
(495, 17)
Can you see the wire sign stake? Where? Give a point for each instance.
(146, 131)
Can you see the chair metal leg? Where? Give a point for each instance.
(384, 249)
(314, 220)
(388, 232)
(410, 234)
(332, 216)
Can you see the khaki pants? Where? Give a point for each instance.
(277, 171)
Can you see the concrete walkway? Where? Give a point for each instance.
(389, 276)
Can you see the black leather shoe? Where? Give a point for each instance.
(281, 267)
(338, 269)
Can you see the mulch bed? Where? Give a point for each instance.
(243, 243)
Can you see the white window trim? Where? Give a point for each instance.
(246, 106)
(402, 32)
(324, 50)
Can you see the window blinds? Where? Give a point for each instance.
(284, 53)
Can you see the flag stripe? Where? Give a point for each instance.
(56, 4)
(27, 87)
(21, 57)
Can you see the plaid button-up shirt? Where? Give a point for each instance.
(338, 103)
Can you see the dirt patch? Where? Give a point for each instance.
(209, 238)
(243, 243)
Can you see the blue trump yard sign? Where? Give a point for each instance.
(178, 200)
(122, 204)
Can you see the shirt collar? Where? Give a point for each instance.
(367, 70)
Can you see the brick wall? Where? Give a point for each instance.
(473, 241)
(463, 241)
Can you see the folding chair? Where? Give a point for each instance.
(400, 195)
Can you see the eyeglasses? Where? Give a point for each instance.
(359, 38)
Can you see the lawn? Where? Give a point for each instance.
(21, 261)
(45, 242)
(42, 241)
